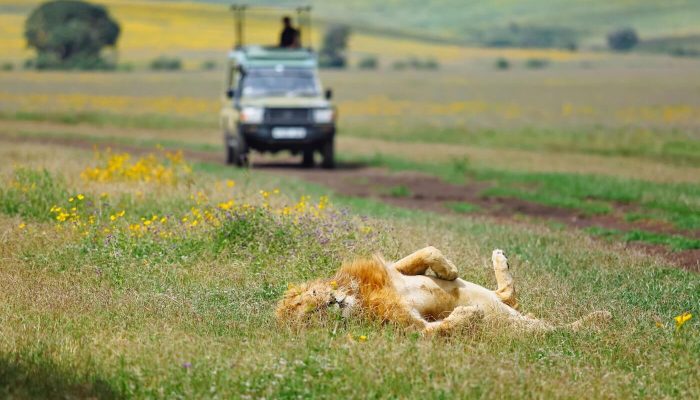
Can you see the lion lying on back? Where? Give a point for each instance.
(402, 293)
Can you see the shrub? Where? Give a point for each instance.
(502, 64)
(530, 36)
(368, 62)
(623, 39)
(125, 67)
(536, 63)
(335, 42)
(417, 63)
(430, 63)
(399, 65)
(70, 34)
(164, 63)
(208, 65)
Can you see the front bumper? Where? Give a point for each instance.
(259, 136)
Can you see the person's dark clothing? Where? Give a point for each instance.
(289, 37)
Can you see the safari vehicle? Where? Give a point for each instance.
(274, 102)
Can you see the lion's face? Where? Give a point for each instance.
(300, 303)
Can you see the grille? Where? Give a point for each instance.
(287, 115)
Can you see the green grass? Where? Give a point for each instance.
(672, 146)
(675, 242)
(149, 121)
(462, 207)
(590, 194)
(399, 191)
(191, 316)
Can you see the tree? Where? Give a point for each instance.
(623, 39)
(70, 34)
(335, 42)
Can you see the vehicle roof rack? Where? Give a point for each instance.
(303, 21)
(273, 57)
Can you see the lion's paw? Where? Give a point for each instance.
(498, 257)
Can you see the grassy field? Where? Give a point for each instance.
(597, 139)
(157, 289)
(156, 277)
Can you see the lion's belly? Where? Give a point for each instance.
(435, 298)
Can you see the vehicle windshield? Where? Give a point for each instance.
(279, 82)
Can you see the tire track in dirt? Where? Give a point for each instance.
(423, 192)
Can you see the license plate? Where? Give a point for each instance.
(288, 133)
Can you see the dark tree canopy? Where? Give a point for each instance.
(66, 31)
(623, 39)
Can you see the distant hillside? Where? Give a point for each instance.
(500, 21)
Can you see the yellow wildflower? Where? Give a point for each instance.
(362, 338)
(112, 217)
(22, 225)
(146, 222)
(121, 213)
(230, 183)
(71, 200)
(682, 319)
(80, 197)
(334, 285)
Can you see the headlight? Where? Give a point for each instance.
(252, 115)
(324, 115)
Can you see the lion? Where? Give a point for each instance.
(404, 294)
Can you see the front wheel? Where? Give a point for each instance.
(328, 155)
(307, 159)
(237, 152)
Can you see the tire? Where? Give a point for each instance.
(307, 159)
(328, 154)
(238, 153)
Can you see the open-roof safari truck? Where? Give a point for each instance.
(274, 100)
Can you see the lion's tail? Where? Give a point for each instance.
(596, 319)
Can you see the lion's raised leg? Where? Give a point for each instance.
(506, 286)
(461, 317)
(430, 257)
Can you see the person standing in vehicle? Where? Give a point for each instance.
(290, 35)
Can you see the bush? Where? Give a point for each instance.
(502, 64)
(83, 61)
(683, 52)
(530, 36)
(70, 34)
(335, 42)
(430, 63)
(536, 63)
(368, 62)
(399, 65)
(125, 67)
(208, 65)
(164, 63)
(8, 66)
(416, 63)
(623, 39)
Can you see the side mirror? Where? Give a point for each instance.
(229, 93)
(329, 94)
